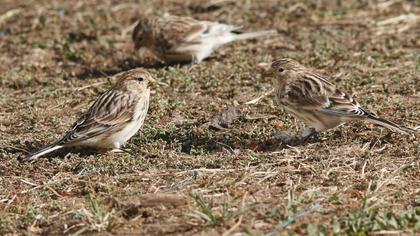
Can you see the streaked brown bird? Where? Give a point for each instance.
(175, 39)
(113, 118)
(310, 97)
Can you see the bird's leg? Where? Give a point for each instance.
(307, 134)
(194, 62)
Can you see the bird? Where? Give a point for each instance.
(181, 39)
(313, 99)
(112, 119)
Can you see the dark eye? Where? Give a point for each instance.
(140, 79)
(280, 70)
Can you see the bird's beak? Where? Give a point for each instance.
(266, 70)
(151, 82)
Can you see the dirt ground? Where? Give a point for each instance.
(205, 162)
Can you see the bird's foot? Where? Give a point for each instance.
(192, 65)
(308, 133)
(123, 150)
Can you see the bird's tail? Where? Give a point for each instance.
(36, 155)
(251, 35)
(393, 126)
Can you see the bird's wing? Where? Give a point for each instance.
(343, 105)
(111, 110)
(315, 92)
(335, 102)
(214, 29)
(308, 93)
(175, 29)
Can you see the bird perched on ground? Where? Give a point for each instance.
(174, 39)
(112, 119)
(310, 97)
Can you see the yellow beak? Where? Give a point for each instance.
(151, 82)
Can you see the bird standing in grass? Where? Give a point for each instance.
(112, 119)
(175, 39)
(311, 98)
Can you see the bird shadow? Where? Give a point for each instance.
(282, 140)
(195, 138)
(120, 65)
(193, 142)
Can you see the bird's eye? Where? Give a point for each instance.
(140, 79)
(280, 70)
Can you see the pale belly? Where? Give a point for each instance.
(314, 119)
(189, 52)
(119, 138)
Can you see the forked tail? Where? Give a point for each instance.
(251, 35)
(393, 126)
(41, 152)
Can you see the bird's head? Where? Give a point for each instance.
(137, 80)
(285, 69)
(141, 33)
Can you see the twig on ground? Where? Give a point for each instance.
(180, 184)
(256, 100)
(305, 211)
(234, 227)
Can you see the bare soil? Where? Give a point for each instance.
(205, 162)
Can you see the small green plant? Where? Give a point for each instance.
(97, 215)
(66, 46)
(212, 217)
(365, 220)
(15, 80)
(205, 211)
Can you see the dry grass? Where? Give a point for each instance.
(188, 178)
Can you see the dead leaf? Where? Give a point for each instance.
(225, 118)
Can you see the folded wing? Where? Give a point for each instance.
(111, 110)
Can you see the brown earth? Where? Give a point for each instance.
(201, 164)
